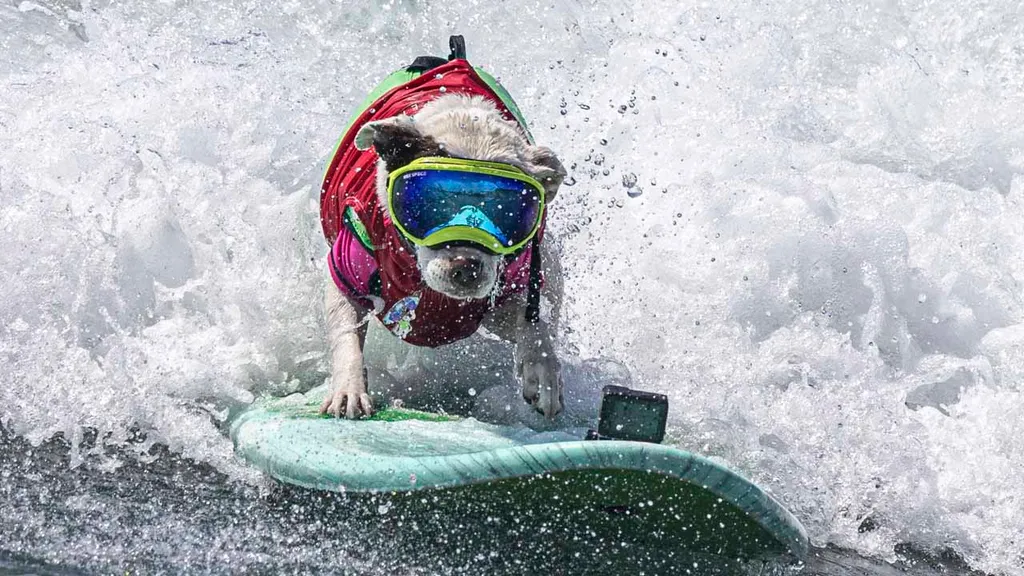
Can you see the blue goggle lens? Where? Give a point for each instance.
(427, 201)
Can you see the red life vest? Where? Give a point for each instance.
(410, 309)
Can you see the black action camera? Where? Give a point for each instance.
(631, 415)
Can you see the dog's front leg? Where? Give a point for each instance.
(538, 366)
(346, 334)
(536, 362)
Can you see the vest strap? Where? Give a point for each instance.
(356, 226)
(533, 289)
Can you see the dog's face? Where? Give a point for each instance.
(461, 127)
(462, 272)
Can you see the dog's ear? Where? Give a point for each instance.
(545, 167)
(397, 141)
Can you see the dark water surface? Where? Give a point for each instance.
(172, 515)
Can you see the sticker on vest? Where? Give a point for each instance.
(399, 318)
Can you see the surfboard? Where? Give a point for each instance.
(443, 473)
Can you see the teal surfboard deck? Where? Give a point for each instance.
(444, 474)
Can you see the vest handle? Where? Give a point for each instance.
(458, 47)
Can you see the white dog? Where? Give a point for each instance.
(459, 284)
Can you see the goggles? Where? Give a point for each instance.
(437, 200)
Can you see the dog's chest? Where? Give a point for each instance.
(428, 318)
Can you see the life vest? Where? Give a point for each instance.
(368, 260)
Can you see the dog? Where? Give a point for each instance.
(433, 295)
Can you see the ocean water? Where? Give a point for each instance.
(801, 221)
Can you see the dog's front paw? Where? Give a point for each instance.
(540, 373)
(542, 386)
(349, 399)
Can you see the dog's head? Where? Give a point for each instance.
(461, 127)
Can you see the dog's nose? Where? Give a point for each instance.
(465, 272)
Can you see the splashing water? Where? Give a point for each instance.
(802, 222)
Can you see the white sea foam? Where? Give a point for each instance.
(801, 221)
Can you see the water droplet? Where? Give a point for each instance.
(472, 391)
(373, 110)
(442, 89)
(922, 298)
(629, 180)
(634, 192)
(563, 111)
(604, 142)
(570, 181)
(583, 106)
(438, 76)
